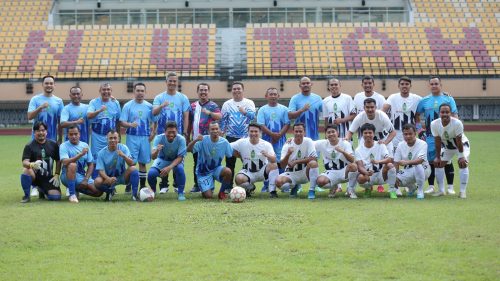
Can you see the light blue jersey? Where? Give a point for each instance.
(210, 154)
(141, 113)
(106, 120)
(274, 118)
(177, 105)
(233, 122)
(73, 112)
(112, 164)
(49, 115)
(171, 150)
(311, 117)
(68, 150)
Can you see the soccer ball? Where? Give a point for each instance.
(238, 194)
(146, 194)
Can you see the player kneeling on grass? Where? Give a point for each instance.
(299, 157)
(169, 152)
(338, 159)
(374, 163)
(111, 167)
(259, 161)
(412, 155)
(38, 163)
(211, 150)
(450, 140)
(75, 155)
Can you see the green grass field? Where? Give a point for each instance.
(285, 239)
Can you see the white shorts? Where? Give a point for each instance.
(256, 176)
(297, 177)
(335, 176)
(407, 176)
(376, 178)
(448, 154)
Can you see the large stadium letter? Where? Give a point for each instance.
(36, 42)
(441, 47)
(198, 54)
(352, 53)
(282, 44)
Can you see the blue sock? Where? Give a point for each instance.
(71, 187)
(153, 174)
(224, 186)
(95, 173)
(134, 180)
(106, 188)
(26, 182)
(180, 178)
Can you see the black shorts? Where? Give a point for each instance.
(44, 185)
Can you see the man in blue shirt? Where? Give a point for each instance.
(169, 150)
(428, 111)
(103, 114)
(75, 155)
(211, 150)
(75, 114)
(306, 107)
(47, 107)
(111, 167)
(137, 117)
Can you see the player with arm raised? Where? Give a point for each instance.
(450, 140)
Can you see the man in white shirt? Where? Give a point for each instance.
(338, 109)
(367, 83)
(412, 155)
(450, 140)
(299, 157)
(374, 163)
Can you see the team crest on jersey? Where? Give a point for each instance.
(140, 113)
(405, 108)
(299, 154)
(372, 156)
(446, 136)
(171, 105)
(435, 104)
(273, 116)
(213, 152)
(252, 154)
(333, 154)
(410, 155)
(335, 107)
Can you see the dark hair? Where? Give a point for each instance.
(299, 124)
(331, 126)
(140, 84)
(367, 77)
(404, 78)
(171, 74)
(202, 84)
(238, 83)
(368, 126)
(112, 131)
(37, 125)
(270, 88)
(171, 124)
(410, 126)
(214, 122)
(434, 77)
(329, 80)
(74, 87)
(74, 127)
(48, 76)
(256, 125)
(445, 104)
(369, 100)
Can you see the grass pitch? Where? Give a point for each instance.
(285, 239)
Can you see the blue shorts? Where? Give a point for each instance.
(119, 180)
(140, 148)
(79, 178)
(206, 182)
(160, 163)
(97, 143)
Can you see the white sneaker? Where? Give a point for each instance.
(67, 192)
(164, 190)
(430, 190)
(462, 195)
(353, 195)
(437, 194)
(73, 199)
(451, 191)
(399, 192)
(34, 191)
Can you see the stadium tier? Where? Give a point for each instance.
(445, 38)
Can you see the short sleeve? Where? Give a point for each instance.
(64, 115)
(63, 152)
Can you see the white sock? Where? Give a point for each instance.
(439, 172)
(391, 178)
(313, 176)
(450, 186)
(273, 174)
(246, 185)
(352, 176)
(464, 179)
(285, 186)
(419, 177)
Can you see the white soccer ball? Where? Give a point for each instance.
(146, 194)
(238, 194)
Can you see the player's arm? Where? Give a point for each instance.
(361, 168)
(390, 137)
(384, 161)
(437, 143)
(157, 109)
(58, 167)
(284, 161)
(214, 115)
(164, 172)
(59, 133)
(185, 132)
(305, 160)
(127, 159)
(67, 124)
(462, 162)
(89, 172)
(295, 114)
(348, 135)
(386, 108)
(33, 114)
(67, 161)
(92, 115)
(191, 144)
(348, 155)
(270, 157)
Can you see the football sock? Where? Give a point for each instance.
(246, 185)
(352, 176)
(430, 180)
(419, 177)
(26, 181)
(391, 178)
(152, 175)
(142, 177)
(285, 186)
(71, 187)
(273, 174)
(134, 180)
(464, 179)
(179, 178)
(450, 173)
(313, 176)
(440, 178)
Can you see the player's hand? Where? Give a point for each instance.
(289, 140)
(80, 121)
(242, 110)
(275, 137)
(421, 134)
(55, 180)
(462, 163)
(381, 142)
(263, 152)
(290, 150)
(291, 164)
(403, 162)
(44, 105)
(205, 111)
(306, 107)
(337, 121)
(120, 153)
(159, 147)
(84, 181)
(110, 181)
(165, 104)
(373, 161)
(437, 162)
(134, 124)
(103, 108)
(339, 149)
(84, 151)
(370, 173)
(36, 165)
(164, 172)
(199, 138)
